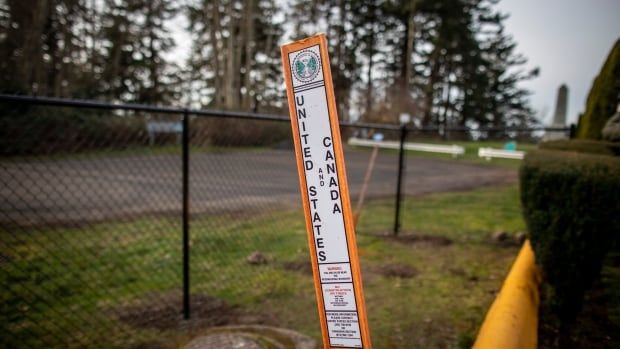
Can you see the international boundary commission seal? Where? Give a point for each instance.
(306, 65)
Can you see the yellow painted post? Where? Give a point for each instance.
(512, 320)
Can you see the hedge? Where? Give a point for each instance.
(571, 204)
(583, 146)
(602, 99)
(54, 130)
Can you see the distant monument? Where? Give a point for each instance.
(559, 117)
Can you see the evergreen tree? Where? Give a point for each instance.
(40, 46)
(371, 25)
(235, 59)
(446, 62)
(466, 71)
(158, 84)
(336, 18)
(135, 41)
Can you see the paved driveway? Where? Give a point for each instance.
(99, 188)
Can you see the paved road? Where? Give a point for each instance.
(93, 189)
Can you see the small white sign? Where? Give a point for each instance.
(321, 185)
(323, 188)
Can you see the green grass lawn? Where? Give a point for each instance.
(71, 287)
(471, 151)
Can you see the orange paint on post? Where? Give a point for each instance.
(325, 194)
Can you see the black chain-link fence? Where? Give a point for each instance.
(118, 230)
(92, 222)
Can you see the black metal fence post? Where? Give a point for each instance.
(399, 182)
(572, 131)
(43, 157)
(186, 306)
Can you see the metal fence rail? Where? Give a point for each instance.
(65, 102)
(98, 218)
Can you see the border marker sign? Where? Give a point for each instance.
(325, 194)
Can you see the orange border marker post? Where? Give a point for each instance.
(325, 194)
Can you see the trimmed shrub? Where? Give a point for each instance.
(232, 132)
(583, 146)
(54, 130)
(571, 204)
(49, 130)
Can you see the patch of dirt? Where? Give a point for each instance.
(5, 259)
(301, 265)
(408, 238)
(397, 270)
(506, 240)
(165, 313)
(463, 274)
(151, 345)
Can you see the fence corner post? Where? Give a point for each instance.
(185, 224)
(399, 181)
(572, 131)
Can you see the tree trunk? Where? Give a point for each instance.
(404, 100)
(249, 55)
(230, 59)
(371, 52)
(30, 16)
(429, 91)
(446, 105)
(342, 90)
(215, 47)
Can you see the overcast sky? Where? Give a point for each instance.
(569, 40)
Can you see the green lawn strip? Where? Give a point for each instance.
(471, 151)
(66, 281)
(464, 216)
(61, 282)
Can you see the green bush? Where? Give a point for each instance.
(583, 146)
(51, 130)
(231, 132)
(601, 102)
(571, 204)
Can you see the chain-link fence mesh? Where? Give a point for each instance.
(91, 224)
(91, 238)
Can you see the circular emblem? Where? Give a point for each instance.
(306, 66)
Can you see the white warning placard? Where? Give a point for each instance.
(325, 194)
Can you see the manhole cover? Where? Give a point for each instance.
(252, 337)
(224, 341)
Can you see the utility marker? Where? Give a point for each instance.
(325, 194)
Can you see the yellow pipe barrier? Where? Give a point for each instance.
(512, 320)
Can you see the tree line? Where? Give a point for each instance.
(446, 62)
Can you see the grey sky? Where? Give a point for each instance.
(568, 39)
